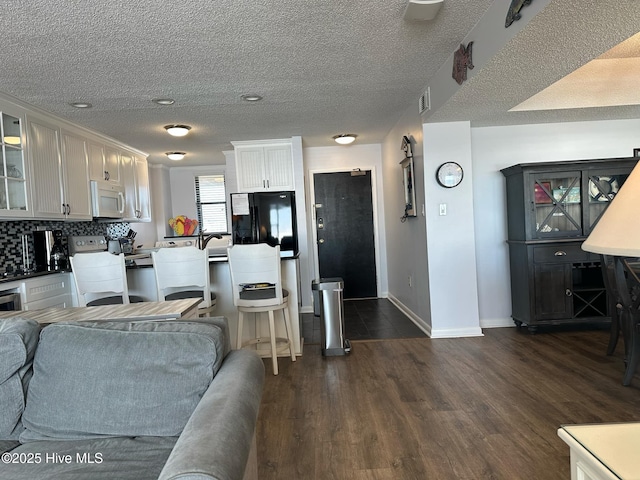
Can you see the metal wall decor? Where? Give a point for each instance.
(462, 61)
(407, 180)
(513, 13)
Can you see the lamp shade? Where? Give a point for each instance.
(617, 232)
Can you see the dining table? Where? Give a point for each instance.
(166, 310)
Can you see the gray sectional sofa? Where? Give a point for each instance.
(127, 400)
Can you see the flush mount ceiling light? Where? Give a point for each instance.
(164, 101)
(81, 104)
(177, 130)
(175, 155)
(422, 10)
(251, 97)
(345, 138)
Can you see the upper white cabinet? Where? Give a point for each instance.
(14, 177)
(59, 180)
(135, 175)
(105, 164)
(76, 192)
(46, 164)
(264, 166)
(95, 154)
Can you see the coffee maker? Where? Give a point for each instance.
(50, 250)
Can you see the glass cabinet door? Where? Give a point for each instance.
(13, 186)
(602, 187)
(557, 205)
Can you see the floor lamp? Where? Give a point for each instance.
(616, 237)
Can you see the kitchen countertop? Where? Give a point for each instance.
(173, 309)
(16, 277)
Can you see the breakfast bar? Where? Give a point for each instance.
(141, 282)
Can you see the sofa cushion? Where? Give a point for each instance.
(140, 458)
(18, 342)
(93, 379)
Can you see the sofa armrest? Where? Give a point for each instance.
(216, 440)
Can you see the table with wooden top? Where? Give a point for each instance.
(169, 310)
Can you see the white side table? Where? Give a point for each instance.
(603, 451)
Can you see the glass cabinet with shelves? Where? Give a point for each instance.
(13, 178)
(551, 208)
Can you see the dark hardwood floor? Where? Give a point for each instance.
(468, 408)
(371, 319)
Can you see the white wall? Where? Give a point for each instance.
(406, 241)
(183, 188)
(494, 148)
(450, 237)
(345, 158)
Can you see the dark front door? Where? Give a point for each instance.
(344, 227)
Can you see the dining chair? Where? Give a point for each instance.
(256, 284)
(183, 272)
(98, 273)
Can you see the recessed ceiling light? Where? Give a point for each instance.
(164, 101)
(177, 130)
(81, 104)
(345, 138)
(175, 155)
(251, 97)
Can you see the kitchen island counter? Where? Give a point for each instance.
(142, 282)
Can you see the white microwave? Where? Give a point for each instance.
(107, 200)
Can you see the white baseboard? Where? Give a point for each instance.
(457, 332)
(420, 323)
(496, 322)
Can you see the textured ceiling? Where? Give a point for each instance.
(323, 68)
(563, 37)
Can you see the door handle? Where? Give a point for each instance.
(320, 223)
(321, 240)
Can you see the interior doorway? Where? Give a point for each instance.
(344, 230)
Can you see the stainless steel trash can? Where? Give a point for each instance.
(328, 305)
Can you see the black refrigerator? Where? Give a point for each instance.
(265, 217)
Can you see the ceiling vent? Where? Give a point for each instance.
(424, 103)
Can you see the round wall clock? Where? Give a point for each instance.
(449, 174)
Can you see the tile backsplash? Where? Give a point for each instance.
(11, 235)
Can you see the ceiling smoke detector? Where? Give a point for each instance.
(422, 10)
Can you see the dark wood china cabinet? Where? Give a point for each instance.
(551, 209)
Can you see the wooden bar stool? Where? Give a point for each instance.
(183, 272)
(257, 288)
(100, 273)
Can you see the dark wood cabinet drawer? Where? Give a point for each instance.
(560, 253)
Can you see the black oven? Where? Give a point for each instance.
(9, 300)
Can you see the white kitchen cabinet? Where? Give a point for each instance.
(46, 162)
(14, 178)
(135, 176)
(95, 154)
(264, 166)
(59, 180)
(52, 290)
(105, 164)
(77, 196)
